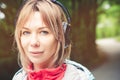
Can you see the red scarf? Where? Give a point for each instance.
(48, 74)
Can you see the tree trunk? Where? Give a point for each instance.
(83, 32)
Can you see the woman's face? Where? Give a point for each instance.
(38, 42)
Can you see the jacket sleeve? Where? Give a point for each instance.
(81, 67)
(19, 75)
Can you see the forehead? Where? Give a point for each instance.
(34, 20)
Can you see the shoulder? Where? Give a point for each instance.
(77, 71)
(72, 73)
(19, 75)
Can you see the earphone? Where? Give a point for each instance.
(66, 25)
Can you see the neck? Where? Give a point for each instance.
(51, 63)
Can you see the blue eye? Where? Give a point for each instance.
(44, 32)
(26, 33)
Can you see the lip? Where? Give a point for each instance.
(36, 52)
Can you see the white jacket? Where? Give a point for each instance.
(74, 71)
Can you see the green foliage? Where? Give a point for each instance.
(108, 20)
(67, 4)
(105, 32)
(118, 38)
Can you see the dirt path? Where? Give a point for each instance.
(110, 70)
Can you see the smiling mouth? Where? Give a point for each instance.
(36, 52)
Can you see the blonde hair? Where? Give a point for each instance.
(53, 16)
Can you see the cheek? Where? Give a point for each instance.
(53, 46)
(24, 42)
(50, 44)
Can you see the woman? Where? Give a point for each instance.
(43, 45)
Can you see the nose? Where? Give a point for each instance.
(35, 41)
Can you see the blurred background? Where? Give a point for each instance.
(95, 36)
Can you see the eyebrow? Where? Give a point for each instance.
(25, 27)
